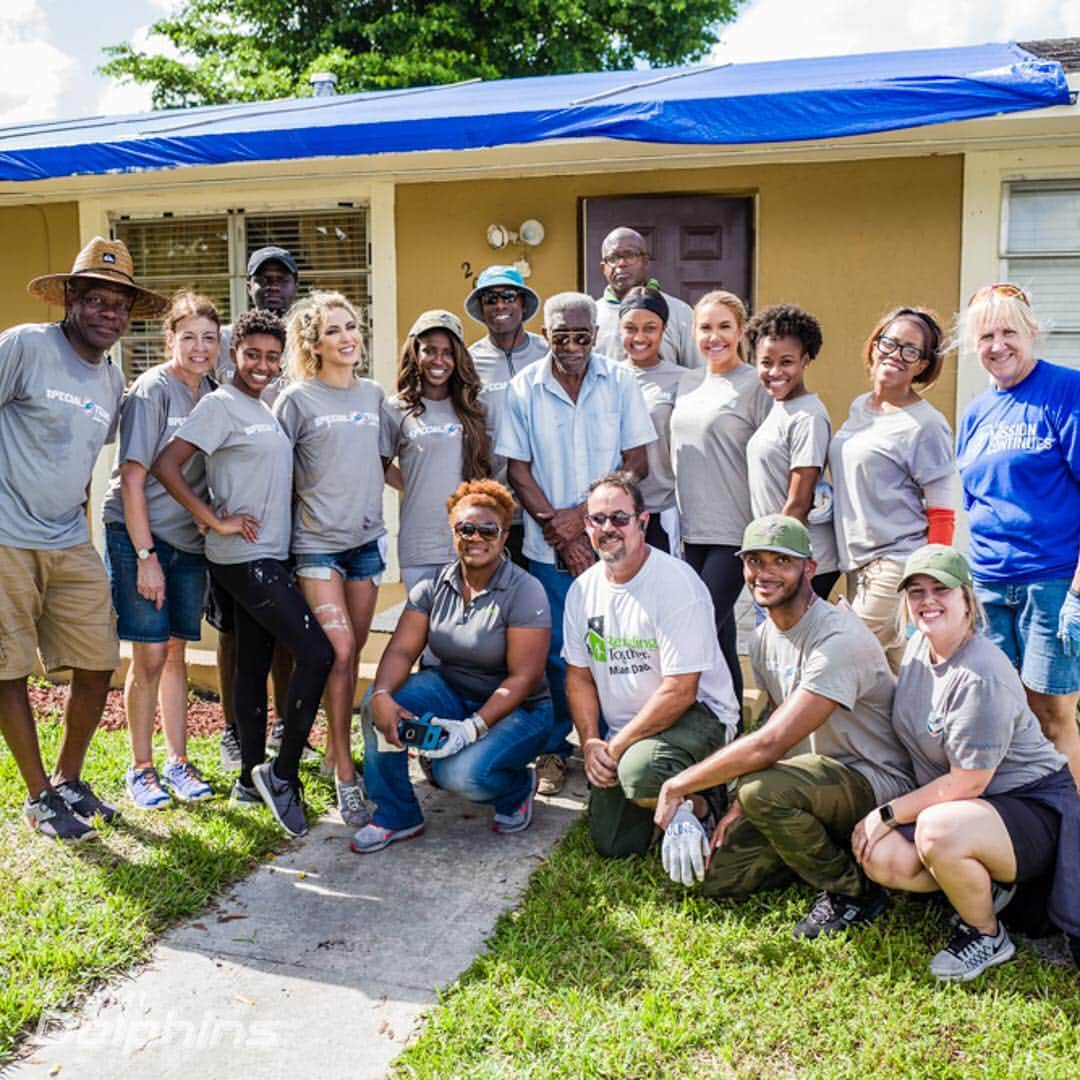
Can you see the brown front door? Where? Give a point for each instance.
(697, 242)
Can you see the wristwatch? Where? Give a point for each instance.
(888, 818)
(145, 553)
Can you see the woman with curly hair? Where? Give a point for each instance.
(487, 624)
(893, 471)
(786, 456)
(437, 432)
(334, 419)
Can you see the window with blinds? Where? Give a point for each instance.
(1042, 254)
(209, 253)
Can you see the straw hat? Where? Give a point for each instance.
(100, 260)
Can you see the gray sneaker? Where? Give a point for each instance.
(230, 749)
(970, 952)
(242, 795)
(284, 798)
(51, 816)
(352, 804)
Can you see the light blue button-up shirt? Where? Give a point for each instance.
(568, 445)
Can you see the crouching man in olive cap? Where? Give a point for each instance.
(59, 402)
(824, 759)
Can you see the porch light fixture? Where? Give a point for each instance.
(530, 233)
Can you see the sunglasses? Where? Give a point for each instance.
(493, 296)
(620, 519)
(563, 337)
(468, 529)
(1001, 288)
(887, 346)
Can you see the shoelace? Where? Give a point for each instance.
(970, 944)
(352, 798)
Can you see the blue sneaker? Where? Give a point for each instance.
(145, 788)
(184, 781)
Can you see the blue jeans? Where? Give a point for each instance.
(556, 584)
(493, 770)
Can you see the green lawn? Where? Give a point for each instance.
(608, 970)
(71, 915)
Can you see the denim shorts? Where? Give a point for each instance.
(356, 564)
(1022, 620)
(137, 619)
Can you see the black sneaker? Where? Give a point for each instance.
(51, 816)
(81, 800)
(833, 912)
(230, 749)
(284, 798)
(970, 952)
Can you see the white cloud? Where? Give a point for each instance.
(122, 98)
(37, 75)
(782, 29)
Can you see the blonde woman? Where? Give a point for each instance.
(340, 445)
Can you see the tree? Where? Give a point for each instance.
(251, 50)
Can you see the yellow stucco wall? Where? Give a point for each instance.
(845, 240)
(41, 239)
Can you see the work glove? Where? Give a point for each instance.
(1069, 624)
(685, 847)
(459, 734)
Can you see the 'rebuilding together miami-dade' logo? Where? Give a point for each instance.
(594, 639)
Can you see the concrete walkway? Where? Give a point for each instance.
(320, 964)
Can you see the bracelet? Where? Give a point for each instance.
(480, 723)
(376, 693)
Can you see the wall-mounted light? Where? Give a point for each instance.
(530, 233)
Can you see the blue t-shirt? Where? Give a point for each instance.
(1018, 452)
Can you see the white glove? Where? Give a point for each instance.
(685, 847)
(459, 734)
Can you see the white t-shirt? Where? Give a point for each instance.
(631, 636)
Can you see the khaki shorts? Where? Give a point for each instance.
(57, 603)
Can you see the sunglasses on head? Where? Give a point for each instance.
(1000, 288)
(486, 530)
(620, 519)
(493, 296)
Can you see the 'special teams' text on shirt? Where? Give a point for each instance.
(339, 436)
(57, 411)
(632, 635)
(248, 469)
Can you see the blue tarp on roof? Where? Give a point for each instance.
(783, 101)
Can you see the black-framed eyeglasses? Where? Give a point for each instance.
(887, 346)
(620, 519)
(486, 530)
(565, 337)
(493, 296)
(617, 257)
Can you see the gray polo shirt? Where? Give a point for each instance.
(830, 652)
(155, 405)
(971, 712)
(678, 345)
(248, 469)
(711, 423)
(469, 640)
(430, 452)
(340, 436)
(880, 462)
(659, 384)
(56, 413)
(795, 435)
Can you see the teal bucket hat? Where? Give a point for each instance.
(492, 277)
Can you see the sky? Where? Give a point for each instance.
(49, 49)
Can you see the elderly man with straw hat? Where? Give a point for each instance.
(59, 401)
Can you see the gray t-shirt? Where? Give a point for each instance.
(795, 435)
(226, 369)
(339, 437)
(971, 712)
(880, 462)
(430, 452)
(248, 469)
(155, 405)
(56, 413)
(711, 423)
(496, 368)
(659, 385)
(678, 344)
(469, 640)
(831, 653)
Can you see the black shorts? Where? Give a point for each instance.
(218, 609)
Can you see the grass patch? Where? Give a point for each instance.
(608, 970)
(71, 915)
